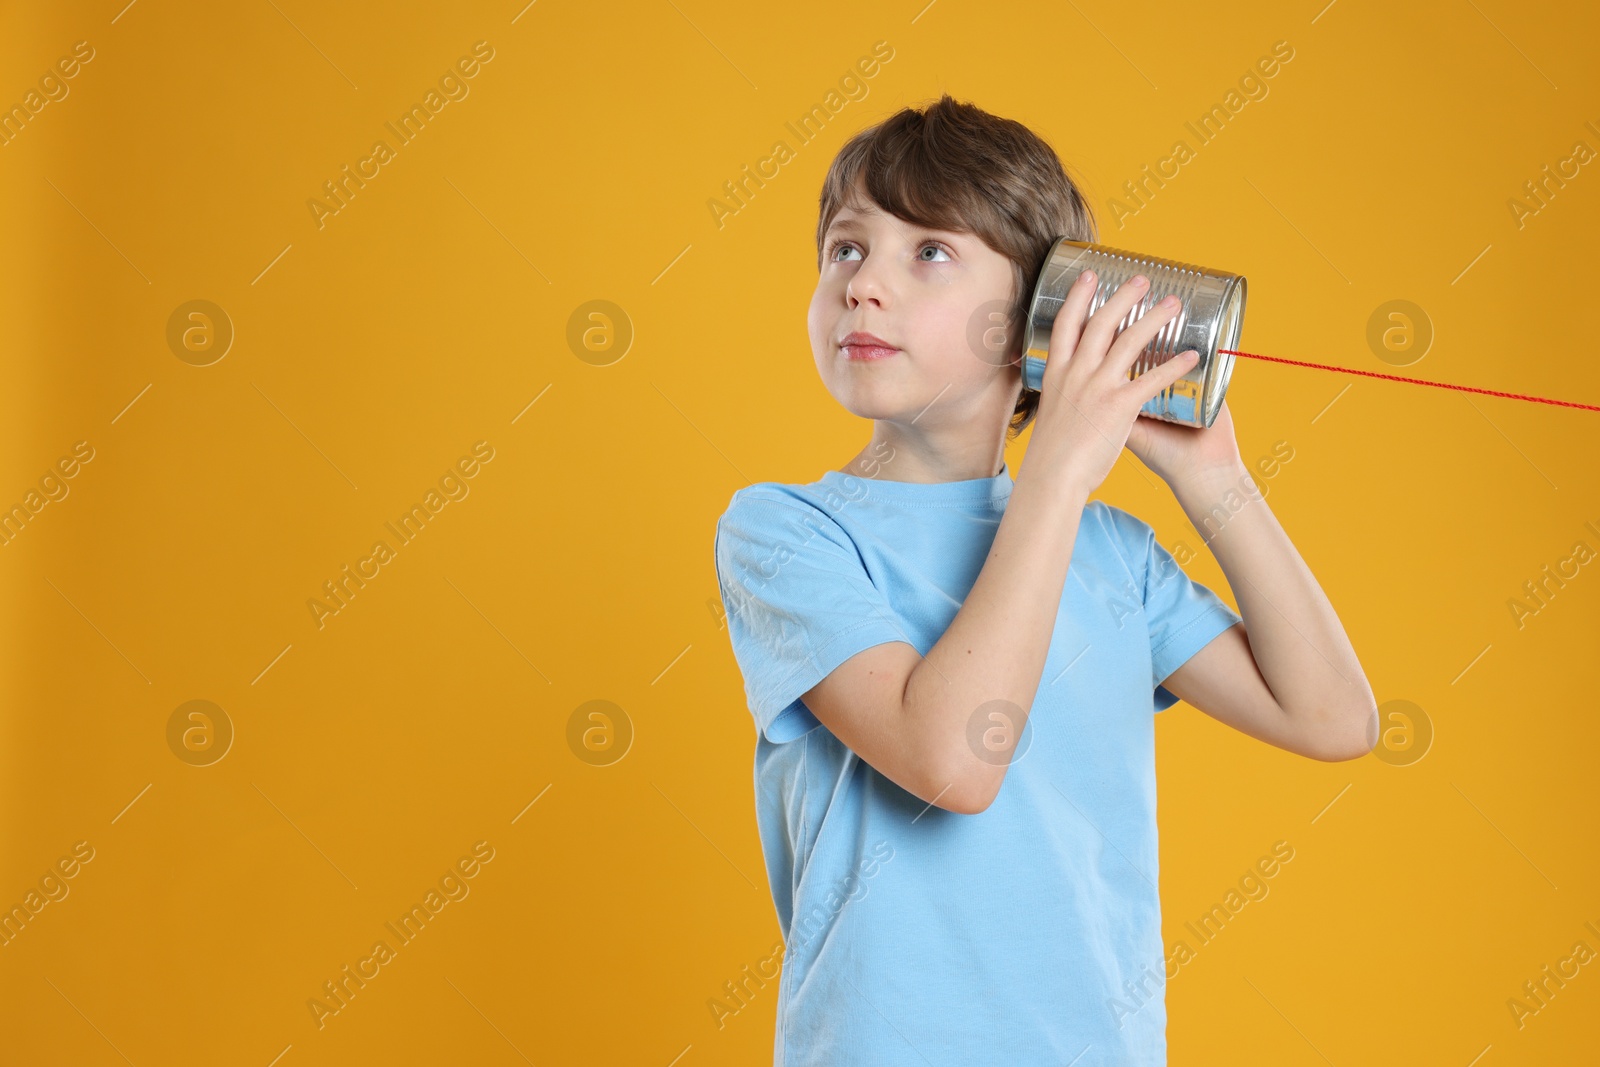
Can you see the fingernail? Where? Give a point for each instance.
(1138, 281)
(1086, 276)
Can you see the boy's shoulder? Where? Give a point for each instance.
(792, 494)
(1129, 535)
(767, 524)
(1112, 515)
(780, 512)
(824, 496)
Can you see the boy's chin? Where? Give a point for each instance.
(878, 408)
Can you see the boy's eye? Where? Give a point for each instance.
(840, 245)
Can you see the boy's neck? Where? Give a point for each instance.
(896, 457)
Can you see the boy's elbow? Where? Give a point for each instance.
(951, 795)
(1337, 754)
(973, 803)
(969, 802)
(965, 789)
(1354, 737)
(981, 805)
(954, 773)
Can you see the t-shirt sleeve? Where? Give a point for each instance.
(1183, 615)
(798, 603)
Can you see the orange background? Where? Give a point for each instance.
(432, 712)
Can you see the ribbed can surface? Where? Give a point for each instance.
(1210, 318)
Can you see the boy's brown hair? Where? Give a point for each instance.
(954, 166)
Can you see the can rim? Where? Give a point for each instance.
(1225, 334)
(1028, 343)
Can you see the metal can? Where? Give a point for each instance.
(1210, 318)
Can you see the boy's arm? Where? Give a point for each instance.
(1288, 675)
(943, 726)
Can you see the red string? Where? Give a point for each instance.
(1413, 381)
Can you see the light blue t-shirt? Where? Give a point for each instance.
(1029, 933)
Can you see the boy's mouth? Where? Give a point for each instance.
(864, 346)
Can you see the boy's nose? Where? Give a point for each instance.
(863, 287)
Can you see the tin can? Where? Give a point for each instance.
(1209, 319)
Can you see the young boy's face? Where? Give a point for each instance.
(930, 295)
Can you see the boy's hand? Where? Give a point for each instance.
(1181, 454)
(1088, 404)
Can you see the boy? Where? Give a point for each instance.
(954, 764)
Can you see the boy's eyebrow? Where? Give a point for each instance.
(855, 222)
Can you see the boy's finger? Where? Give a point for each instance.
(1136, 338)
(1108, 318)
(1068, 325)
(1160, 377)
